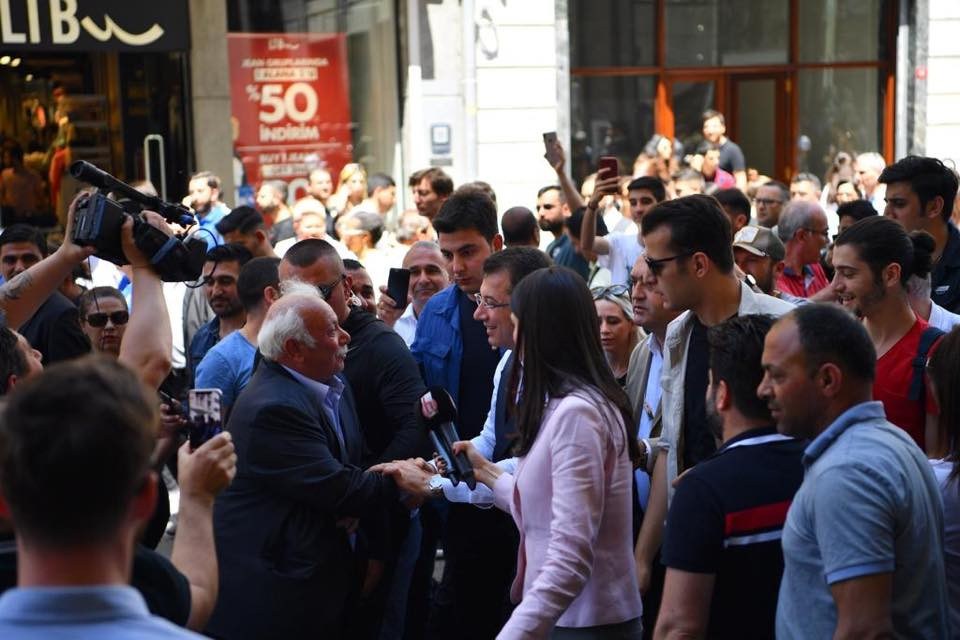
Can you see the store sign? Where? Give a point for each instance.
(94, 25)
(291, 105)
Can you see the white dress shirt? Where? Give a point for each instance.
(485, 443)
(941, 318)
(406, 325)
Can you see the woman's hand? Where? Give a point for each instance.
(483, 470)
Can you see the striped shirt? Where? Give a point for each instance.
(726, 519)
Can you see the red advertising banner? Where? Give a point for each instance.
(291, 106)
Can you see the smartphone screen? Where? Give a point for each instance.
(607, 167)
(398, 284)
(549, 139)
(205, 417)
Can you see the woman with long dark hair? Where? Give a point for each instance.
(945, 457)
(571, 495)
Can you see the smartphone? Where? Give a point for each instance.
(204, 416)
(171, 402)
(549, 140)
(607, 167)
(398, 285)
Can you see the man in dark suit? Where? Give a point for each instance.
(287, 542)
(54, 330)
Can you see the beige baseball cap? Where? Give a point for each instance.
(760, 241)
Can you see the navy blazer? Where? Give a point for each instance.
(286, 569)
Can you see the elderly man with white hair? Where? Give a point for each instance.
(804, 232)
(290, 530)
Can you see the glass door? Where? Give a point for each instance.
(757, 120)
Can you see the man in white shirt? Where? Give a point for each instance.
(619, 252)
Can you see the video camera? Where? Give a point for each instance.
(99, 218)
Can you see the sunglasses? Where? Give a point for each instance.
(615, 290)
(327, 290)
(657, 266)
(99, 320)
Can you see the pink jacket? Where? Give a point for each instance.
(572, 500)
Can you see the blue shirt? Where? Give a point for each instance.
(203, 340)
(869, 504)
(103, 612)
(227, 366)
(208, 225)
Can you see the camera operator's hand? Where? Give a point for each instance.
(69, 250)
(204, 473)
(130, 249)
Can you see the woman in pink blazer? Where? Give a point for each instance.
(571, 495)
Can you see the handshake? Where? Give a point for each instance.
(419, 479)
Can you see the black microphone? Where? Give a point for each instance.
(443, 434)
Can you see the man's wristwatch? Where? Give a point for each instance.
(436, 486)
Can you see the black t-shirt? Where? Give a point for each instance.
(698, 440)
(165, 590)
(945, 289)
(726, 518)
(731, 157)
(476, 371)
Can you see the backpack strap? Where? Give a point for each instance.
(928, 338)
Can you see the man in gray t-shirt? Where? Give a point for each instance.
(863, 541)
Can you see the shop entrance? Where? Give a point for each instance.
(99, 107)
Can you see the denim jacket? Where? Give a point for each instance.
(438, 346)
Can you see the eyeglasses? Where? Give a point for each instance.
(487, 304)
(767, 201)
(657, 266)
(615, 290)
(99, 320)
(820, 232)
(326, 290)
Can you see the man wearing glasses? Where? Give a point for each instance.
(769, 202)
(689, 255)
(804, 232)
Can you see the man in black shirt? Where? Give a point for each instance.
(722, 541)
(731, 156)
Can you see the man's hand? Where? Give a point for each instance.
(561, 158)
(69, 250)
(412, 478)
(602, 188)
(130, 249)
(206, 472)
(171, 420)
(387, 308)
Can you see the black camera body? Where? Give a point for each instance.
(99, 218)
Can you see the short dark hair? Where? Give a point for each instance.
(440, 182)
(881, 241)
(846, 344)
(736, 349)
(468, 211)
(519, 226)
(306, 252)
(89, 418)
(255, 276)
(784, 189)
(229, 252)
(734, 200)
(243, 219)
(353, 265)
(415, 177)
(24, 233)
(12, 360)
(212, 180)
(379, 181)
(575, 223)
(479, 185)
(928, 178)
(697, 224)
(856, 209)
(552, 187)
(651, 184)
(519, 262)
(89, 298)
(712, 113)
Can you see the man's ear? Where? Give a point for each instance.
(261, 236)
(934, 208)
(723, 398)
(778, 269)
(144, 501)
(271, 294)
(891, 275)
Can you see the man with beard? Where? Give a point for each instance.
(204, 199)
(220, 273)
(759, 254)
(552, 212)
(272, 203)
(722, 541)
(428, 275)
(874, 260)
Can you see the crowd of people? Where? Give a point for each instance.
(696, 402)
